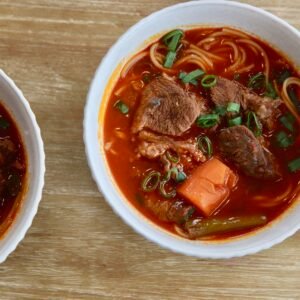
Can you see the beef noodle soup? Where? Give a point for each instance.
(201, 133)
(12, 170)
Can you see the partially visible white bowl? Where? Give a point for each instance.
(251, 19)
(13, 100)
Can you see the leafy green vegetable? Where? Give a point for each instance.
(294, 165)
(284, 140)
(253, 123)
(172, 39)
(192, 76)
(288, 121)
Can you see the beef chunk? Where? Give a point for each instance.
(166, 108)
(169, 210)
(226, 91)
(8, 151)
(153, 146)
(239, 145)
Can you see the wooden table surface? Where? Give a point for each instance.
(77, 248)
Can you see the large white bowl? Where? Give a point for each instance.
(18, 107)
(251, 19)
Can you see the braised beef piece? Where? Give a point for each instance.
(170, 210)
(239, 145)
(152, 146)
(8, 151)
(226, 91)
(166, 108)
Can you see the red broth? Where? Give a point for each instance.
(128, 169)
(13, 168)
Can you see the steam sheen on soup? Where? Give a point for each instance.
(201, 132)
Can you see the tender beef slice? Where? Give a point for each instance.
(227, 91)
(8, 151)
(153, 146)
(166, 108)
(170, 210)
(239, 145)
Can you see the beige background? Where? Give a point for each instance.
(77, 248)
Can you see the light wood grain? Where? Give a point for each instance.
(77, 248)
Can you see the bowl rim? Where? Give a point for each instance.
(20, 234)
(108, 195)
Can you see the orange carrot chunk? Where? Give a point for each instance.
(209, 186)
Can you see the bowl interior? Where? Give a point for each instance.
(200, 13)
(13, 100)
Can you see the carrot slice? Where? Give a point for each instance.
(209, 186)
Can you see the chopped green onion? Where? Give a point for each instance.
(181, 176)
(172, 39)
(236, 76)
(235, 122)
(151, 181)
(209, 81)
(207, 121)
(287, 121)
(122, 107)
(220, 110)
(253, 123)
(257, 81)
(163, 192)
(183, 74)
(283, 76)
(192, 76)
(170, 57)
(205, 145)
(172, 158)
(233, 107)
(270, 91)
(4, 124)
(294, 165)
(283, 140)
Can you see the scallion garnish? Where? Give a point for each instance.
(172, 39)
(257, 81)
(151, 181)
(209, 81)
(206, 121)
(122, 107)
(284, 140)
(235, 122)
(294, 98)
(172, 158)
(170, 57)
(233, 107)
(163, 182)
(205, 145)
(183, 74)
(288, 121)
(220, 110)
(192, 76)
(253, 123)
(270, 91)
(294, 165)
(4, 124)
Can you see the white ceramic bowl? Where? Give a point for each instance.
(18, 107)
(251, 19)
